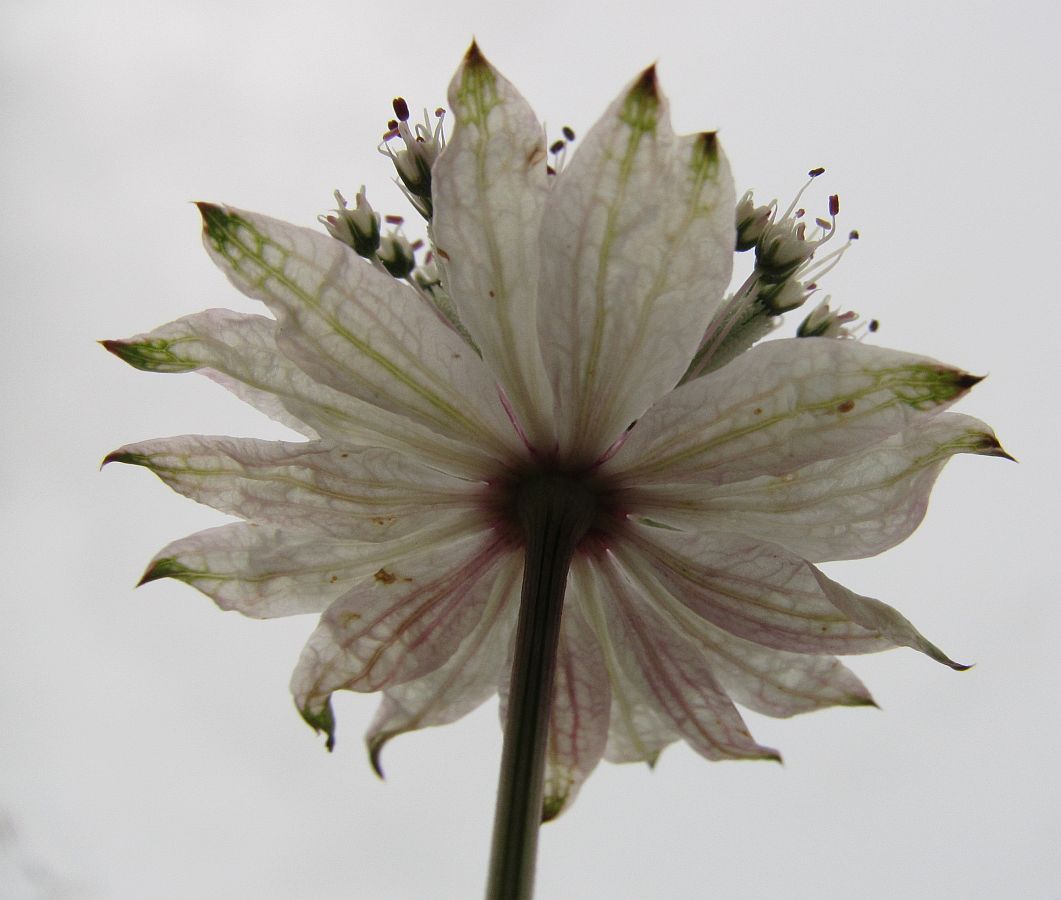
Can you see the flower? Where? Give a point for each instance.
(563, 306)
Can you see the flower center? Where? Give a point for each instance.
(576, 504)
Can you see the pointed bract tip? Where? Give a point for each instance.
(552, 807)
(932, 651)
(324, 720)
(127, 351)
(705, 154)
(708, 141)
(990, 446)
(215, 220)
(966, 381)
(474, 58)
(647, 83)
(209, 211)
(642, 105)
(375, 746)
(124, 456)
(167, 567)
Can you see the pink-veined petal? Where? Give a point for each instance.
(403, 624)
(880, 617)
(636, 732)
(783, 405)
(763, 593)
(769, 681)
(636, 251)
(488, 190)
(357, 329)
(756, 591)
(362, 493)
(670, 671)
(578, 721)
(843, 508)
(263, 571)
(467, 679)
(239, 351)
(199, 342)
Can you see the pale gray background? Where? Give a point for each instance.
(148, 745)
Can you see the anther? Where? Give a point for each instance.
(401, 109)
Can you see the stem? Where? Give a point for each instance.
(556, 512)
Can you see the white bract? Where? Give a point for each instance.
(562, 310)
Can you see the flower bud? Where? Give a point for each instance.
(781, 298)
(422, 147)
(358, 227)
(397, 255)
(751, 222)
(823, 322)
(782, 249)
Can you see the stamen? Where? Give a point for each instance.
(813, 173)
(828, 263)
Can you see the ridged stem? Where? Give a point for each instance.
(555, 512)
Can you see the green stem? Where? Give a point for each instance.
(556, 513)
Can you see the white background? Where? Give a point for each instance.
(148, 745)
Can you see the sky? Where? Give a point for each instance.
(148, 743)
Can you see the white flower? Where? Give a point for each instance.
(584, 295)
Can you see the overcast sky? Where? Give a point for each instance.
(148, 744)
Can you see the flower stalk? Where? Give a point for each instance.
(555, 513)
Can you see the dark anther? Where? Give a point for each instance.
(814, 173)
(568, 132)
(401, 109)
(834, 204)
(556, 146)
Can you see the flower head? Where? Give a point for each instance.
(543, 340)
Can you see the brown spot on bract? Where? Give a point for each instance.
(456, 356)
(442, 253)
(846, 406)
(385, 577)
(333, 579)
(758, 411)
